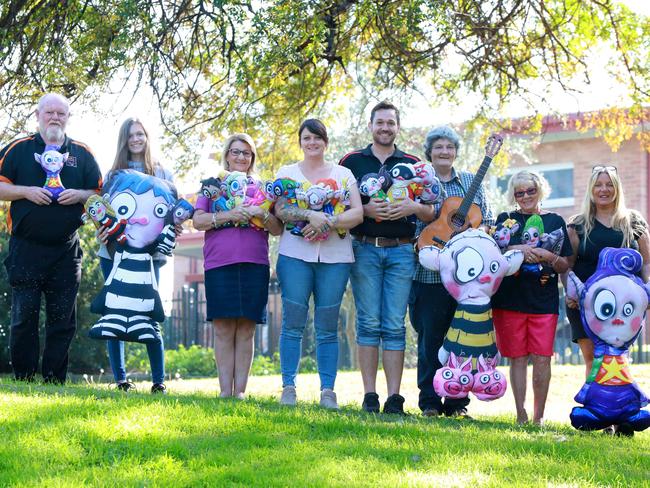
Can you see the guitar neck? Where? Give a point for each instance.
(473, 188)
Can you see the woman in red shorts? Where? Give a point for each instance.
(526, 306)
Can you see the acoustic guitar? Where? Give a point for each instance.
(458, 214)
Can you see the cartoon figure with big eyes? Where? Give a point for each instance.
(129, 302)
(52, 163)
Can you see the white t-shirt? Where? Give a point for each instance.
(333, 249)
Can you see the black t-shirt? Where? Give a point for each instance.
(526, 292)
(53, 223)
(590, 246)
(362, 162)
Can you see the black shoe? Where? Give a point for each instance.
(430, 412)
(624, 430)
(159, 388)
(459, 413)
(126, 386)
(394, 404)
(370, 403)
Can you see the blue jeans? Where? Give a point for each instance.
(381, 282)
(156, 352)
(298, 281)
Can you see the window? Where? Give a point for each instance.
(559, 176)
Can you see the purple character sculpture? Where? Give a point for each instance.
(613, 303)
(52, 163)
(471, 267)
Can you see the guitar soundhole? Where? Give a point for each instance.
(457, 221)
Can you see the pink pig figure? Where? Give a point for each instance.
(489, 383)
(454, 380)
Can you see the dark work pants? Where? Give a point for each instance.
(53, 271)
(431, 310)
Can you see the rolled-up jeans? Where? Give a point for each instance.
(298, 281)
(381, 280)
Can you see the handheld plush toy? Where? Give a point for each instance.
(181, 211)
(534, 235)
(502, 233)
(429, 189)
(403, 177)
(52, 163)
(103, 216)
(613, 303)
(471, 267)
(129, 302)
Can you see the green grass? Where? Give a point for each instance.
(90, 436)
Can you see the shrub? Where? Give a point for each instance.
(264, 365)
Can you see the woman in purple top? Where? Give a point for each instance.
(236, 262)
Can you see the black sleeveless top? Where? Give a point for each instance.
(590, 246)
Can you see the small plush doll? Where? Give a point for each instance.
(182, 211)
(429, 189)
(533, 235)
(52, 163)
(471, 267)
(613, 303)
(129, 303)
(403, 178)
(290, 190)
(503, 232)
(103, 216)
(374, 185)
(214, 189)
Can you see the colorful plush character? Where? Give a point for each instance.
(214, 189)
(181, 211)
(429, 189)
(129, 302)
(235, 184)
(489, 383)
(290, 189)
(52, 163)
(403, 177)
(374, 186)
(103, 216)
(613, 303)
(534, 235)
(454, 379)
(503, 232)
(472, 267)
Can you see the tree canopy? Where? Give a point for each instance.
(261, 66)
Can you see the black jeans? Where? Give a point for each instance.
(54, 271)
(431, 309)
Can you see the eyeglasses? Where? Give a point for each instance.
(529, 191)
(236, 152)
(599, 169)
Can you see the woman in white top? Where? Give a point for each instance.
(318, 263)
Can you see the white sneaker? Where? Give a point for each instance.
(328, 399)
(288, 396)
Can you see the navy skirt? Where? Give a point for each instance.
(237, 290)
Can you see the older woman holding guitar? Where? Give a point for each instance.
(431, 308)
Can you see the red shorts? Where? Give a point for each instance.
(520, 334)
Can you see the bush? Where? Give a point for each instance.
(185, 361)
(264, 365)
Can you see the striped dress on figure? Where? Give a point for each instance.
(129, 303)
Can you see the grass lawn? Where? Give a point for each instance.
(90, 436)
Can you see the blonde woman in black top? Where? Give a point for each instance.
(604, 221)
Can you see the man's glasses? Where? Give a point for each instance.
(600, 169)
(236, 152)
(529, 191)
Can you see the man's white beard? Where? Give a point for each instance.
(54, 133)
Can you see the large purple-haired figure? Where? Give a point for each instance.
(613, 304)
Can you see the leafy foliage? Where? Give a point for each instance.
(262, 66)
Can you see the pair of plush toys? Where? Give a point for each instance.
(403, 180)
(140, 213)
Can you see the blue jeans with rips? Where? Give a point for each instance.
(156, 352)
(298, 281)
(381, 280)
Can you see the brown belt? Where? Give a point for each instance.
(383, 241)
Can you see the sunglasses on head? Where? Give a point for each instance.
(600, 169)
(529, 191)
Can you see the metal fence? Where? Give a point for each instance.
(187, 326)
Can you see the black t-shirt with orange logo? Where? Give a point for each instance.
(53, 223)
